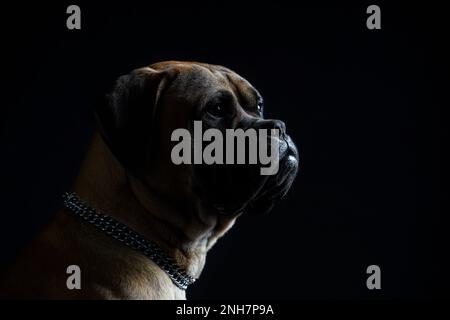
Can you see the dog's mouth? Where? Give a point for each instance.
(229, 211)
(235, 189)
(290, 157)
(287, 153)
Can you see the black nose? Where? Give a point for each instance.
(272, 124)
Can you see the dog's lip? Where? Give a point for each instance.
(283, 148)
(222, 209)
(287, 150)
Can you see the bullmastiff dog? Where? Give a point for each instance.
(137, 226)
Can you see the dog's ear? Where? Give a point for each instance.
(125, 117)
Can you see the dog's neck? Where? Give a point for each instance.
(186, 236)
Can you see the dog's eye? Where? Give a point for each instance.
(217, 110)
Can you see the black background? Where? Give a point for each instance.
(363, 106)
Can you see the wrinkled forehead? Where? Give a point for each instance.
(197, 81)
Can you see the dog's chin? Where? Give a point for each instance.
(228, 210)
(226, 206)
(268, 189)
(235, 189)
(230, 197)
(276, 186)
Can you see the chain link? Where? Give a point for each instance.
(130, 238)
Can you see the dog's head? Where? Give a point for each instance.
(145, 108)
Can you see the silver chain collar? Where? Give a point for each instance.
(128, 237)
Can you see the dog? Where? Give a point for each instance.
(128, 174)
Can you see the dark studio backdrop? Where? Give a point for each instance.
(362, 105)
